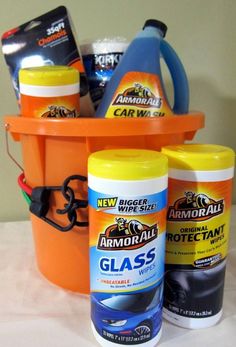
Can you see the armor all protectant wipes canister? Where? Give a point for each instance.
(198, 219)
(127, 218)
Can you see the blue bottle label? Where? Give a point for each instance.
(139, 95)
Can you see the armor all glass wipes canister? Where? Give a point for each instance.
(127, 224)
(198, 221)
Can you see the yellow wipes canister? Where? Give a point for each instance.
(198, 221)
(49, 92)
(127, 224)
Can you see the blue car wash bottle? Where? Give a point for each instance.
(127, 227)
(136, 87)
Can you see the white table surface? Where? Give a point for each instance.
(35, 313)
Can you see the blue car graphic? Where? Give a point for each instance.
(128, 318)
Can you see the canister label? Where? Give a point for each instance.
(50, 101)
(197, 237)
(139, 95)
(127, 244)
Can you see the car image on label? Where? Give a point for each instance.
(128, 318)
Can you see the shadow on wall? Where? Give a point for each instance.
(219, 110)
(220, 115)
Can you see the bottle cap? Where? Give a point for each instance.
(199, 157)
(156, 24)
(127, 164)
(55, 75)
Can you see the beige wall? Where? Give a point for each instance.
(201, 31)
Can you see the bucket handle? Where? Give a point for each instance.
(7, 126)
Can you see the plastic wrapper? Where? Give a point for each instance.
(46, 40)
(100, 59)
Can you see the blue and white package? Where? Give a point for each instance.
(127, 254)
(100, 59)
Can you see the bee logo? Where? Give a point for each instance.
(122, 228)
(194, 207)
(138, 95)
(126, 235)
(59, 112)
(139, 91)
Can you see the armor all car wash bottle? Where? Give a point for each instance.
(136, 87)
(198, 222)
(127, 223)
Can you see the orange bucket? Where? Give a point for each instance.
(54, 149)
